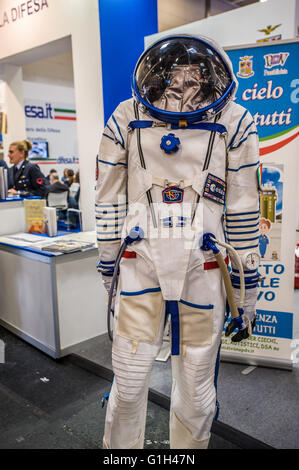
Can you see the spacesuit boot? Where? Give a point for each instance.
(181, 437)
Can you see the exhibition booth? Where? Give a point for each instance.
(57, 301)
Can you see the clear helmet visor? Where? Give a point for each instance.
(181, 75)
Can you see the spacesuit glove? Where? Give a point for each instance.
(248, 315)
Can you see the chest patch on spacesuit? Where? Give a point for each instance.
(172, 194)
(215, 189)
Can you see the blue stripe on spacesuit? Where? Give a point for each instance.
(141, 124)
(140, 292)
(243, 140)
(111, 205)
(247, 280)
(111, 163)
(107, 262)
(237, 130)
(241, 226)
(236, 286)
(241, 233)
(114, 138)
(119, 131)
(241, 239)
(106, 269)
(102, 217)
(246, 247)
(208, 126)
(249, 125)
(109, 225)
(112, 131)
(251, 271)
(203, 307)
(108, 136)
(111, 212)
(108, 239)
(232, 214)
(243, 166)
(109, 233)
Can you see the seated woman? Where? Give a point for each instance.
(24, 178)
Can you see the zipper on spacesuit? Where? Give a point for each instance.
(142, 161)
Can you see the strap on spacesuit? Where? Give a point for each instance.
(136, 234)
(208, 242)
(172, 309)
(164, 183)
(206, 126)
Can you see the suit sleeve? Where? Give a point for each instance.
(111, 191)
(242, 201)
(37, 183)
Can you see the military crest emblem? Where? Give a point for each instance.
(245, 67)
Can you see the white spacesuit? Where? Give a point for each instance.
(177, 160)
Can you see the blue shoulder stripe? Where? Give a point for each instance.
(237, 130)
(240, 220)
(120, 134)
(243, 140)
(111, 205)
(249, 125)
(241, 226)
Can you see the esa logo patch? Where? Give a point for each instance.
(215, 189)
(172, 194)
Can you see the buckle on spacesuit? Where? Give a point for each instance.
(183, 123)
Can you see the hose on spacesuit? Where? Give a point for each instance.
(136, 234)
(209, 243)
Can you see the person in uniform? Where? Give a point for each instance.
(24, 178)
(177, 160)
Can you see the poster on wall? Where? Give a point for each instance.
(269, 89)
(51, 127)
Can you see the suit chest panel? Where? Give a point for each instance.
(189, 159)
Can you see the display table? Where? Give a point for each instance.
(55, 301)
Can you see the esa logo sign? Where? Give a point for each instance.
(41, 112)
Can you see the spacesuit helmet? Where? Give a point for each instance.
(183, 79)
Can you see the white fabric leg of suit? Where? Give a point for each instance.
(137, 343)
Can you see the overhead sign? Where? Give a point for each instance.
(20, 10)
(55, 123)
